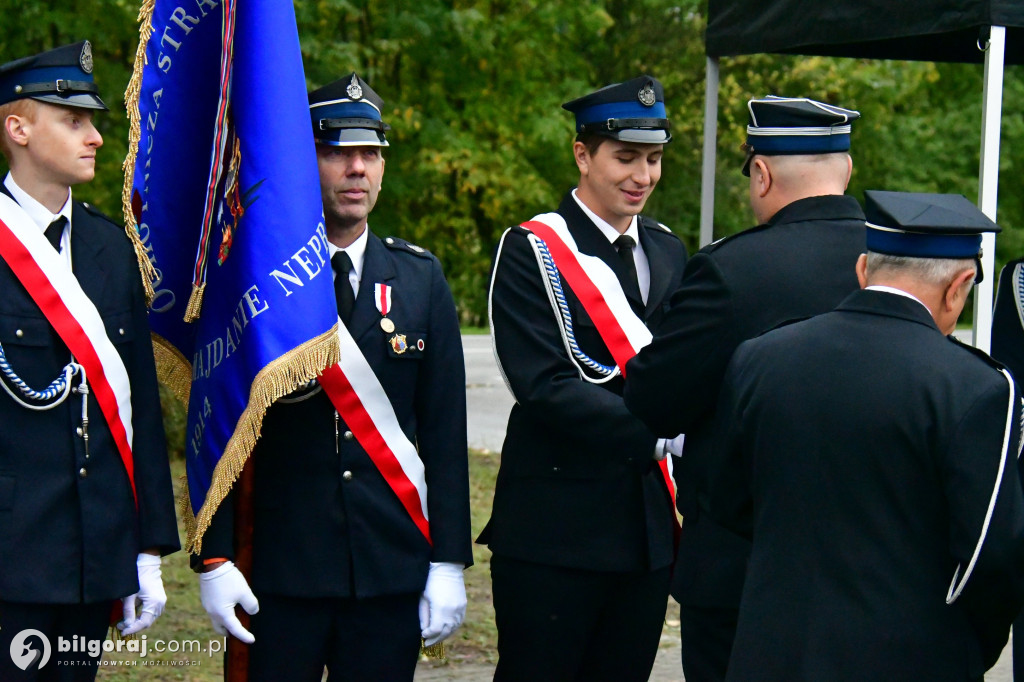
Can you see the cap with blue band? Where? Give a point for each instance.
(631, 111)
(796, 125)
(60, 76)
(921, 225)
(347, 113)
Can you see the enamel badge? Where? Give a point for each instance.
(398, 344)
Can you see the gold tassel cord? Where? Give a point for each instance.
(173, 370)
(131, 99)
(195, 302)
(435, 651)
(279, 378)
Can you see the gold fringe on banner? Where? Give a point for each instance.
(173, 370)
(279, 378)
(131, 100)
(195, 302)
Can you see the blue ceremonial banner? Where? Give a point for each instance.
(225, 192)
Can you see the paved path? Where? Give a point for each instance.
(489, 403)
(488, 400)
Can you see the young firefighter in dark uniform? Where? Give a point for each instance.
(874, 463)
(345, 578)
(582, 524)
(799, 261)
(86, 507)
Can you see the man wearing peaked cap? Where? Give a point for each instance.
(886, 511)
(346, 578)
(582, 524)
(799, 261)
(84, 515)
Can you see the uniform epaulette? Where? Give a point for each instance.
(786, 323)
(977, 352)
(655, 225)
(728, 238)
(92, 210)
(401, 245)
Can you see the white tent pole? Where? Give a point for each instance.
(707, 179)
(988, 182)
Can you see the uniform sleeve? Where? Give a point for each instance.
(535, 363)
(731, 501)
(157, 525)
(441, 428)
(674, 381)
(219, 538)
(983, 488)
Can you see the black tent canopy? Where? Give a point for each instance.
(915, 30)
(971, 31)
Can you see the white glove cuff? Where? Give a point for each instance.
(217, 572)
(147, 560)
(446, 569)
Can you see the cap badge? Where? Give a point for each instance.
(646, 96)
(353, 89)
(85, 59)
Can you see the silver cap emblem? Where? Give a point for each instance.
(85, 59)
(646, 96)
(353, 89)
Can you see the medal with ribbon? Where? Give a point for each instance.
(382, 298)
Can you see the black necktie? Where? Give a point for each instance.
(342, 265)
(624, 245)
(54, 231)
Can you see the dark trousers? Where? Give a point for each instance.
(355, 639)
(706, 636)
(569, 624)
(39, 651)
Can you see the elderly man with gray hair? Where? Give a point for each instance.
(872, 459)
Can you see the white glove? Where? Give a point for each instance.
(669, 446)
(443, 602)
(219, 591)
(151, 594)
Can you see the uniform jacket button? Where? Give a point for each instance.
(348, 435)
(347, 476)
(82, 473)
(19, 333)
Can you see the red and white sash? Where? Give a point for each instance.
(600, 292)
(361, 401)
(52, 285)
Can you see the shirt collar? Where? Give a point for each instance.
(610, 233)
(356, 251)
(898, 292)
(39, 214)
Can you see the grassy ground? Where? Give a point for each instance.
(185, 627)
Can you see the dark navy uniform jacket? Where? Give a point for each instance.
(801, 263)
(875, 463)
(69, 529)
(577, 485)
(326, 523)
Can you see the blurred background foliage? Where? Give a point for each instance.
(473, 90)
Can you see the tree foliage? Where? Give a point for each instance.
(473, 90)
